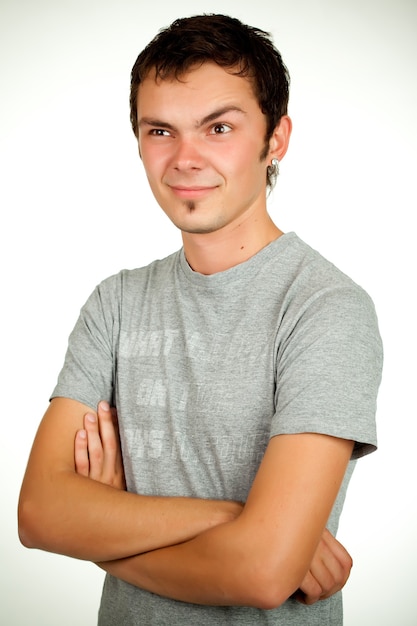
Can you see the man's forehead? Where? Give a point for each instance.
(173, 75)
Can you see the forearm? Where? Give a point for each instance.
(95, 519)
(85, 519)
(216, 568)
(167, 572)
(262, 557)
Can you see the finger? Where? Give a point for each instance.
(113, 471)
(82, 465)
(108, 432)
(339, 562)
(326, 571)
(330, 568)
(339, 552)
(310, 590)
(95, 448)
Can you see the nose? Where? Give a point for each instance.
(187, 155)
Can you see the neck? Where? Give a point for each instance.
(214, 252)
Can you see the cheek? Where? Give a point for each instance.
(245, 156)
(245, 167)
(231, 162)
(154, 162)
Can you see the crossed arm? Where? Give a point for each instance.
(208, 552)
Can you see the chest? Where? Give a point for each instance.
(195, 395)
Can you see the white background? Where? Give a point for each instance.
(75, 208)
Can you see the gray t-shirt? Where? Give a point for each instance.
(204, 370)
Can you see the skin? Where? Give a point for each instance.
(201, 140)
(64, 512)
(98, 456)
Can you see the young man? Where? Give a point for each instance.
(244, 370)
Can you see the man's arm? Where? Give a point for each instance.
(262, 557)
(327, 572)
(68, 513)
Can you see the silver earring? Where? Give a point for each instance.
(273, 171)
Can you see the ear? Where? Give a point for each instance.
(278, 144)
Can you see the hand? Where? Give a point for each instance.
(97, 450)
(328, 573)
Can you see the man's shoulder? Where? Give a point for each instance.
(141, 276)
(303, 268)
(313, 286)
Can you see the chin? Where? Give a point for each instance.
(195, 220)
(202, 230)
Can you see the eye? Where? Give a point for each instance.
(159, 132)
(220, 129)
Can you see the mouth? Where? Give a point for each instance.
(191, 193)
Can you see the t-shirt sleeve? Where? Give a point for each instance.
(88, 371)
(329, 369)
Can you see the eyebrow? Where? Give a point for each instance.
(148, 121)
(218, 113)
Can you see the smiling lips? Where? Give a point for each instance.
(191, 192)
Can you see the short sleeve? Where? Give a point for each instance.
(88, 371)
(329, 368)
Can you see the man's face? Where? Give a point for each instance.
(201, 140)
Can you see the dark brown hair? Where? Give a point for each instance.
(245, 50)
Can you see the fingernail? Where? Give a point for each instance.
(104, 405)
(91, 418)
